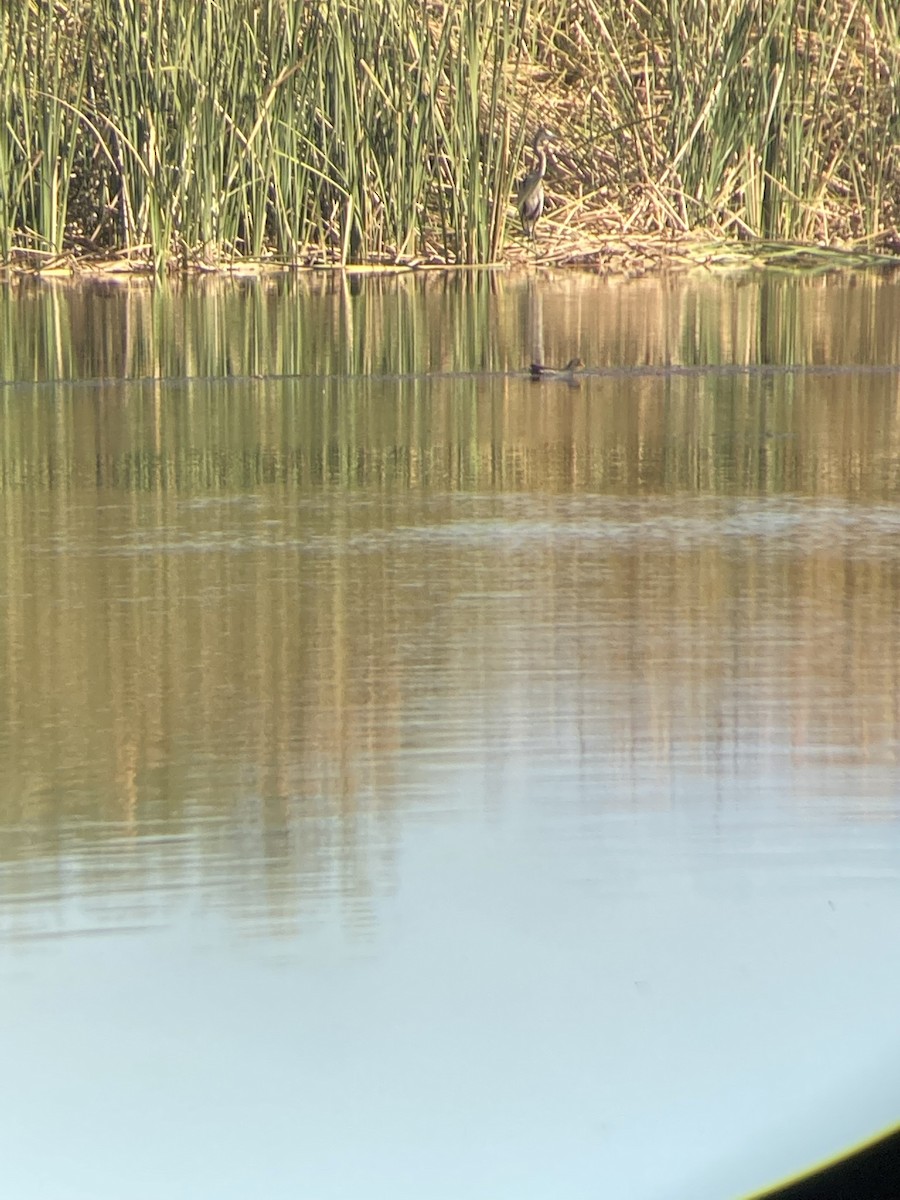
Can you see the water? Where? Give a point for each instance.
(418, 781)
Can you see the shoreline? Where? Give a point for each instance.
(615, 256)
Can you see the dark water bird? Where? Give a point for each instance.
(568, 372)
(530, 192)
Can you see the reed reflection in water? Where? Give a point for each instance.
(345, 325)
(470, 779)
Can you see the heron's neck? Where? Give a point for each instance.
(541, 164)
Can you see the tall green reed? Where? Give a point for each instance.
(346, 130)
(761, 134)
(43, 78)
(208, 129)
(766, 118)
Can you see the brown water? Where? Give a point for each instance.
(416, 778)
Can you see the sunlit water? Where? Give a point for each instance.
(416, 781)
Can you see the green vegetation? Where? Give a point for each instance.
(208, 131)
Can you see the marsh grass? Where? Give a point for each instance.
(208, 132)
(757, 118)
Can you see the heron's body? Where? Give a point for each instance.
(530, 192)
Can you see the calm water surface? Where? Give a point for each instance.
(420, 782)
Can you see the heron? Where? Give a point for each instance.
(530, 192)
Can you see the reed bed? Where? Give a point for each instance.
(216, 132)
